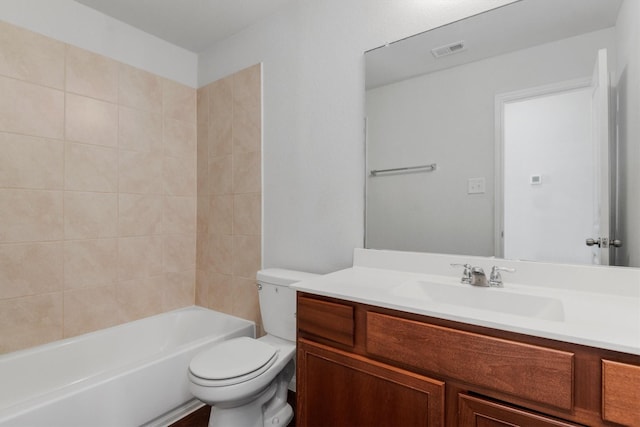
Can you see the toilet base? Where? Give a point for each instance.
(269, 409)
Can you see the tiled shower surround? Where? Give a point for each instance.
(229, 194)
(98, 192)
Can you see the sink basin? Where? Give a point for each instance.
(490, 299)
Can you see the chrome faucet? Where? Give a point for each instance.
(472, 275)
(495, 279)
(475, 275)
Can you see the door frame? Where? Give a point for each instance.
(500, 100)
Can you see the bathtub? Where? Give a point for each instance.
(128, 375)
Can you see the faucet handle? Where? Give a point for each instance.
(466, 275)
(495, 279)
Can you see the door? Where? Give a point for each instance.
(602, 227)
(553, 176)
(549, 176)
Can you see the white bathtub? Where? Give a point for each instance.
(128, 375)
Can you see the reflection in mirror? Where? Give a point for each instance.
(512, 108)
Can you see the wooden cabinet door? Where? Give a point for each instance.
(621, 393)
(477, 412)
(336, 388)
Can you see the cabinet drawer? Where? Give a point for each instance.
(329, 320)
(476, 412)
(536, 373)
(621, 393)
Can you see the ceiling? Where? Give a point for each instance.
(194, 25)
(519, 25)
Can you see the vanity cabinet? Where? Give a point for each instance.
(361, 365)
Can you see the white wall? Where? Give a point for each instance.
(313, 137)
(628, 82)
(81, 26)
(455, 129)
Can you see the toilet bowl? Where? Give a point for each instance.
(246, 380)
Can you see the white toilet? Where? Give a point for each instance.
(245, 380)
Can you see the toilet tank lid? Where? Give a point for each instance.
(282, 277)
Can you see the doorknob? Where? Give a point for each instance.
(592, 242)
(604, 242)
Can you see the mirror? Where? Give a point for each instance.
(442, 108)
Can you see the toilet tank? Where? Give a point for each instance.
(278, 300)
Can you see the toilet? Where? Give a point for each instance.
(246, 380)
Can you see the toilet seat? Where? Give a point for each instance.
(232, 362)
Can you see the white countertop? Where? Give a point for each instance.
(609, 320)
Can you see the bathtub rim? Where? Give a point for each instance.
(69, 340)
(54, 395)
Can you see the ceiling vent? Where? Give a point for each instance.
(449, 49)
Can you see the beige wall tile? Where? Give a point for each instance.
(140, 257)
(202, 252)
(247, 214)
(141, 172)
(229, 239)
(220, 118)
(202, 160)
(180, 176)
(201, 291)
(245, 299)
(91, 168)
(142, 297)
(246, 256)
(30, 269)
(140, 89)
(220, 292)
(220, 254)
(140, 214)
(247, 109)
(178, 289)
(30, 56)
(220, 175)
(91, 121)
(30, 109)
(179, 215)
(140, 130)
(29, 321)
(179, 102)
(202, 106)
(90, 263)
(221, 214)
(179, 253)
(90, 74)
(31, 162)
(180, 139)
(30, 215)
(87, 310)
(114, 155)
(202, 216)
(90, 215)
(246, 131)
(247, 172)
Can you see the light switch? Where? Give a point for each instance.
(476, 186)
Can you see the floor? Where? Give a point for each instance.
(200, 418)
